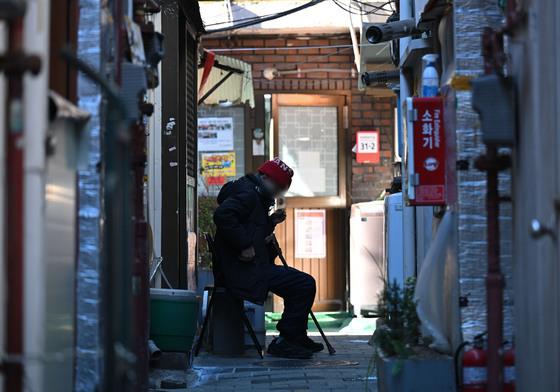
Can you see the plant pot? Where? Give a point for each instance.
(416, 374)
(173, 318)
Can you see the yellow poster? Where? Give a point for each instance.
(218, 164)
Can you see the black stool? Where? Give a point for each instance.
(219, 287)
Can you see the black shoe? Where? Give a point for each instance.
(309, 344)
(281, 347)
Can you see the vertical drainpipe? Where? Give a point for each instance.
(154, 164)
(409, 214)
(3, 193)
(13, 380)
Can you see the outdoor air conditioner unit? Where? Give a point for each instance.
(374, 58)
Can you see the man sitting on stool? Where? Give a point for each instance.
(246, 255)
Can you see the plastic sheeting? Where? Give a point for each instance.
(437, 289)
(88, 295)
(470, 17)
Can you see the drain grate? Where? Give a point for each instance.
(305, 363)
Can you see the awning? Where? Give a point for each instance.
(229, 81)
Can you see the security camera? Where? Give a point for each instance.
(390, 31)
(380, 78)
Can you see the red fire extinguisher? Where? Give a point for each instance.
(473, 366)
(509, 369)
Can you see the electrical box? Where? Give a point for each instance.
(425, 163)
(493, 98)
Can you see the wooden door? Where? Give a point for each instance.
(308, 135)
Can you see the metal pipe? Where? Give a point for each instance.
(214, 87)
(13, 381)
(494, 278)
(155, 352)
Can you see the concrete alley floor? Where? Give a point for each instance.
(347, 370)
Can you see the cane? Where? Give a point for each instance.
(331, 349)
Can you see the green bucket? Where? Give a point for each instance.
(173, 318)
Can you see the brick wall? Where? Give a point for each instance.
(366, 112)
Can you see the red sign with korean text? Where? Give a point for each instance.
(367, 146)
(429, 152)
(216, 180)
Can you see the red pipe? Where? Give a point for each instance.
(13, 381)
(494, 278)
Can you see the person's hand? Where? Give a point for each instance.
(278, 216)
(247, 254)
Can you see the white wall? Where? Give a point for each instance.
(154, 162)
(36, 40)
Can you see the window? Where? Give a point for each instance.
(308, 142)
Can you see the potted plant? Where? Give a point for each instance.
(403, 359)
(206, 207)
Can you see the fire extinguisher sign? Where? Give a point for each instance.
(429, 152)
(367, 146)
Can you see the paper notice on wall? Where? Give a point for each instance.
(215, 134)
(310, 234)
(218, 164)
(258, 147)
(367, 146)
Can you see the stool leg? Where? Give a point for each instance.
(204, 324)
(252, 333)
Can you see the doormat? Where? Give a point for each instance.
(329, 321)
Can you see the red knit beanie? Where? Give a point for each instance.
(278, 172)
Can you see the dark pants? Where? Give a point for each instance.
(298, 291)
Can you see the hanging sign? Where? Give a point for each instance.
(310, 234)
(428, 170)
(367, 146)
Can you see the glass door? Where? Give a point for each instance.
(308, 136)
